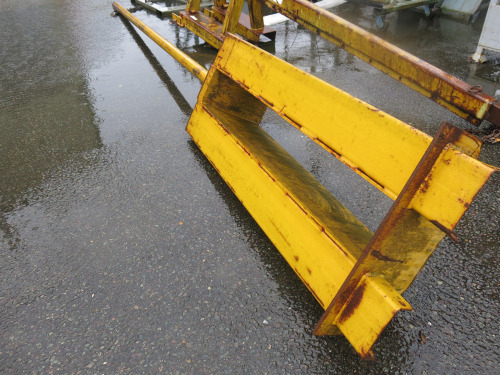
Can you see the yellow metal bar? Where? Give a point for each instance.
(232, 16)
(384, 255)
(193, 6)
(256, 15)
(196, 69)
(450, 92)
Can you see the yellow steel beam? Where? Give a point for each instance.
(196, 69)
(383, 253)
(256, 14)
(363, 137)
(193, 5)
(354, 275)
(232, 16)
(450, 92)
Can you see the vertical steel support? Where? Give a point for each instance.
(256, 15)
(232, 16)
(193, 6)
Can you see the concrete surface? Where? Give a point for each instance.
(123, 252)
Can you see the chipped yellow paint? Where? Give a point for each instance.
(371, 307)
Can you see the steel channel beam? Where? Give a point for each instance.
(374, 259)
(452, 93)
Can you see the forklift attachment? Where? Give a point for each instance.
(356, 276)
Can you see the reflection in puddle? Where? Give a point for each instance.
(47, 115)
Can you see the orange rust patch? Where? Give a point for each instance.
(353, 303)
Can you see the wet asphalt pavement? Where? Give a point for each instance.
(123, 252)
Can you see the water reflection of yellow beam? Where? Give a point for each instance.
(186, 61)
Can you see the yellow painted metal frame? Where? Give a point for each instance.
(355, 275)
(212, 25)
(452, 93)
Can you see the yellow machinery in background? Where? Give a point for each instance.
(356, 276)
